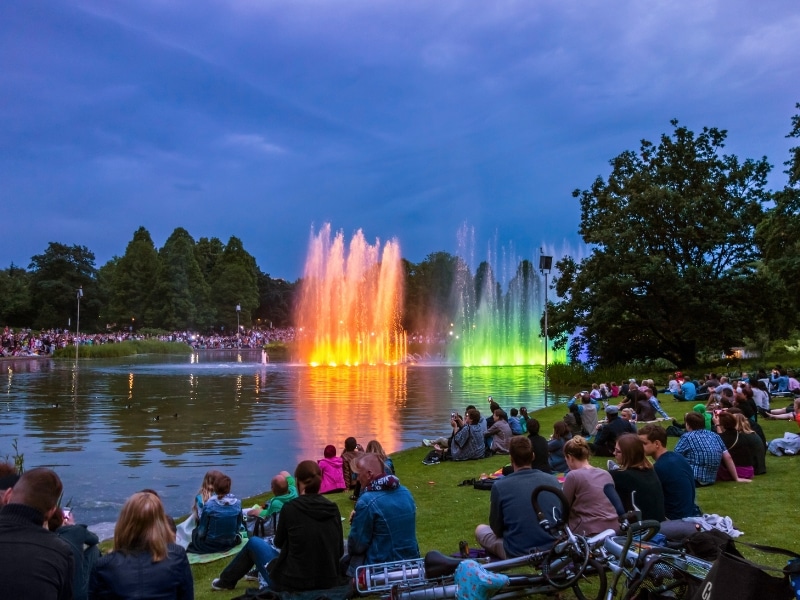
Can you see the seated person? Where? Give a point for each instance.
(635, 475)
(332, 473)
(555, 447)
(513, 422)
(511, 530)
(608, 433)
(351, 450)
(283, 490)
(674, 473)
(745, 447)
(688, 390)
(466, 442)
(383, 522)
(541, 453)
(790, 413)
(705, 451)
(85, 549)
(204, 493)
(309, 533)
(220, 522)
(499, 432)
(594, 503)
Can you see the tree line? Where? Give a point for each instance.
(689, 252)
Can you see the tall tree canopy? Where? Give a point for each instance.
(234, 282)
(132, 281)
(671, 231)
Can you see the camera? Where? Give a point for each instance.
(452, 415)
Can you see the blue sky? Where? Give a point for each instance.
(261, 118)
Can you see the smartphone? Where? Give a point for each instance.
(452, 415)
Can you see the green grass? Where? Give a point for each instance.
(128, 348)
(766, 509)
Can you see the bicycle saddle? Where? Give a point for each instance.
(440, 565)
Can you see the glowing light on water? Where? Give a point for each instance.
(498, 309)
(350, 303)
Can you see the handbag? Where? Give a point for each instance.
(734, 576)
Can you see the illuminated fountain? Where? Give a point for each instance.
(497, 310)
(350, 304)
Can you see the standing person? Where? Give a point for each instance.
(705, 451)
(594, 503)
(332, 473)
(220, 522)
(35, 562)
(511, 531)
(541, 453)
(674, 473)
(309, 535)
(383, 523)
(145, 562)
(635, 475)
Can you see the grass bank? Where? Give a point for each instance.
(765, 510)
(128, 348)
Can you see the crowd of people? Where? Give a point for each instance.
(28, 343)
(47, 555)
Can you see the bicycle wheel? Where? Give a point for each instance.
(593, 568)
(563, 566)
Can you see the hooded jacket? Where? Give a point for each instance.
(701, 409)
(332, 475)
(311, 542)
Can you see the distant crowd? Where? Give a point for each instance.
(27, 343)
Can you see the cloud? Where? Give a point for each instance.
(252, 142)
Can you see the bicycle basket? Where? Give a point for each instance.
(372, 579)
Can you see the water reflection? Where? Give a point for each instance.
(116, 426)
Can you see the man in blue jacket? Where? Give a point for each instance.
(383, 524)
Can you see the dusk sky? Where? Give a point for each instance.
(263, 118)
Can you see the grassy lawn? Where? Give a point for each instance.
(766, 510)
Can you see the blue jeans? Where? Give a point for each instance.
(656, 405)
(255, 552)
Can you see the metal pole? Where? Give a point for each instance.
(78, 325)
(545, 338)
(238, 339)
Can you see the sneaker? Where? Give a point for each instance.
(612, 466)
(252, 575)
(217, 586)
(427, 442)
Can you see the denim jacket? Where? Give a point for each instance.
(221, 519)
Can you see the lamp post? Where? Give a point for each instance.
(78, 325)
(545, 264)
(238, 339)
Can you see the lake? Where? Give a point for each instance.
(114, 426)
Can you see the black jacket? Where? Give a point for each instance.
(136, 576)
(34, 563)
(309, 533)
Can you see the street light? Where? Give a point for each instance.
(238, 310)
(78, 325)
(545, 264)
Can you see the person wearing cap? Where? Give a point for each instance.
(608, 432)
(36, 563)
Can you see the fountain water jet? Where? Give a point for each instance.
(350, 304)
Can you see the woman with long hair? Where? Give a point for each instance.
(145, 563)
(635, 479)
(375, 447)
(589, 491)
(309, 534)
(204, 493)
(555, 446)
(742, 442)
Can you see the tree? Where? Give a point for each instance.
(234, 282)
(132, 282)
(672, 237)
(428, 295)
(56, 276)
(15, 297)
(208, 252)
(181, 296)
(276, 300)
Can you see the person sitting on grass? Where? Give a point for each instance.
(332, 473)
(220, 522)
(383, 522)
(351, 450)
(499, 432)
(555, 447)
(466, 442)
(705, 451)
(608, 433)
(674, 473)
(635, 480)
(310, 541)
(745, 447)
(511, 530)
(790, 413)
(541, 453)
(284, 490)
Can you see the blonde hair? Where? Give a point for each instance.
(143, 526)
(577, 448)
(743, 424)
(375, 447)
(206, 489)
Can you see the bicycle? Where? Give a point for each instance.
(562, 566)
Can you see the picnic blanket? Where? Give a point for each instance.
(195, 559)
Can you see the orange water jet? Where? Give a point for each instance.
(350, 304)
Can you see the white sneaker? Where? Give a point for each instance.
(612, 466)
(427, 442)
